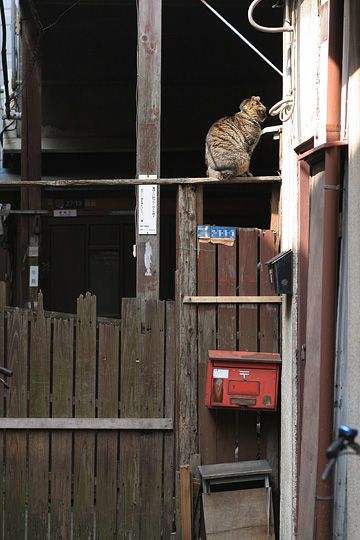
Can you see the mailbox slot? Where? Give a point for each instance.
(241, 379)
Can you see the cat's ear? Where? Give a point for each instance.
(243, 103)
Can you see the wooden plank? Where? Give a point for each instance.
(30, 141)
(269, 319)
(269, 341)
(61, 443)
(275, 220)
(130, 390)
(206, 341)
(226, 436)
(63, 182)
(186, 382)
(151, 443)
(186, 502)
(39, 406)
(107, 443)
(128, 424)
(148, 137)
(248, 332)
(16, 443)
(84, 443)
(237, 469)
(233, 515)
(169, 438)
(265, 299)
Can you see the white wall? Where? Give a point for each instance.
(304, 124)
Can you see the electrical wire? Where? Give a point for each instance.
(243, 38)
(6, 128)
(4, 60)
(36, 50)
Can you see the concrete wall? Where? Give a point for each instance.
(304, 57)
(353, 375)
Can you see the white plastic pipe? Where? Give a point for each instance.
(267, 29)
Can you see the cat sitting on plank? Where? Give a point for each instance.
(230, 141)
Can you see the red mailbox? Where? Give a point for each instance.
(241, 379)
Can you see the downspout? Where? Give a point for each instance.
(324, 491)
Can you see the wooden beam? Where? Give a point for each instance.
(30, 150)
(87, 423)
(64, 183)
(148, 141)
(186, 357)
(232, 300)
(186, 502)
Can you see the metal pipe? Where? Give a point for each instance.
(324, 499)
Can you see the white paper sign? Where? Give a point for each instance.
(66, 212)
(34, 276)
(220, 373)
(147, 215)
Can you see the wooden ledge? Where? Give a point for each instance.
(62, 182)
(87, 423)
(232, 300)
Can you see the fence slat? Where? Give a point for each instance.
(152, 360)
(39, 392)
(61, 448)
(130, 454)
(84, 442)
(16, 442)
(169, 411)
(206, 341)
(248, 332)
(107, 443)
(226, 321)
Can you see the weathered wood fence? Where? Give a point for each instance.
(238, 270)
(88, 447)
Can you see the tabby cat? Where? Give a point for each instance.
(230, 141)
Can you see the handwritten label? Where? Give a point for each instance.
(147, 215)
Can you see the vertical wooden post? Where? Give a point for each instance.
(186, 337)
(148, 138)
(30, 149)
(186, 369)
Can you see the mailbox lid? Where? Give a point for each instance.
(244, 356)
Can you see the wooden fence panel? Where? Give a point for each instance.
(107, 442)
(227, 421)
(38, 449)
(169, 411)
(206, 341)
(65, 483)
(84, 442)
(16, 442)
(248, 332)
(61, 442)
(152, 361)
(244, 273)
(130, 389)
(142, 395)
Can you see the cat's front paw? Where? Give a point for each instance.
(248, 174)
